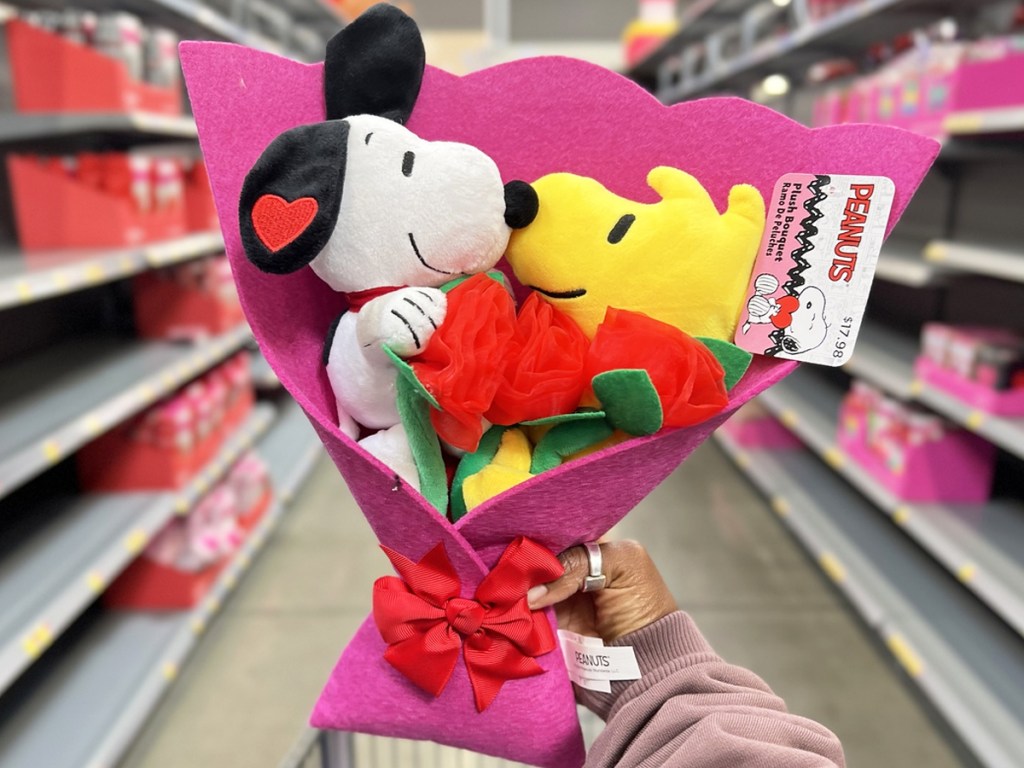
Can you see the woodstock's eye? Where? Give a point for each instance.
(407, 162)
(621, 228)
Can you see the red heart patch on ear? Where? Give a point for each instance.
(787, 306)
(278, 222)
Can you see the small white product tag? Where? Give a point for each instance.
(813, 272)
(593, 666)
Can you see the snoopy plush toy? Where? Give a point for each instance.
(380, 215)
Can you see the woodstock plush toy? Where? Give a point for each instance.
(381, 216)
(677, 260)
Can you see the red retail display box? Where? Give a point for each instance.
(51, 74)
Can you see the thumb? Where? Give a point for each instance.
(577, 568)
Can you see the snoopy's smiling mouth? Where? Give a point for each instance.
(423, 261)
(575, 294)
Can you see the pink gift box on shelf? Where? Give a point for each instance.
(250, 481)
(916, 455)
(991, 75)
(981, 367)
(183, 560)
(532, 117)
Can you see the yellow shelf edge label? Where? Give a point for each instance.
(52, 452)
(967, 572)
(904, 654)
(830, 564)
(136, 541)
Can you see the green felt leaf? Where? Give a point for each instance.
(630, 400)
(734, 360)
(566, 439)
(406, 372)
(426, 448)
(494, 274)
(470, 464)
(589, 414)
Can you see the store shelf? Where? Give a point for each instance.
(985, 121)
(88, 706)
(902, 262)
(964, 659)
(24, 128)
(981, 545)
(54, 401)
(696, 21)
(852, 29)
(1003, 263)
(885, 358)
(53, 576)
(28, 277)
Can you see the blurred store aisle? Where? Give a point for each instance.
(245, 695)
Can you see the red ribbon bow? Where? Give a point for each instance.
(425, 621)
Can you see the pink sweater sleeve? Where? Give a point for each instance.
(692, 709)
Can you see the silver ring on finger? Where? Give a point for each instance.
(595, 579)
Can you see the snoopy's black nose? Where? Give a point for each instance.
(520, 204)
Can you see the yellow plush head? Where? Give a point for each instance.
(678, 260)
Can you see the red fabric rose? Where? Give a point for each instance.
(461, 366)
(543, 375)
(689, 379)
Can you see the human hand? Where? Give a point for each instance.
(634, 594)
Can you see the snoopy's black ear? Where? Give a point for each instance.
(374, 66)
(290, 199)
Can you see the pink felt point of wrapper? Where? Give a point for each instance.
(533, 117)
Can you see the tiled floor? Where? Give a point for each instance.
(244, 696)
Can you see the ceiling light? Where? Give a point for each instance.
(775, 85)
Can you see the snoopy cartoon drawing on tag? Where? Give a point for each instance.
(801, 317)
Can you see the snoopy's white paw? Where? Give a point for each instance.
(404, 320)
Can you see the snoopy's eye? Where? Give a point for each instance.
(621, 228)
(367, 139)
(809, 305)
(407, 160)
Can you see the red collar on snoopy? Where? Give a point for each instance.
(359, 299)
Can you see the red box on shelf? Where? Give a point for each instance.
(186, 301)
(200, 211)
(55, 208)
(52, 74)
(248, 521)
(237, 372)
(147, 585)
(162, 449)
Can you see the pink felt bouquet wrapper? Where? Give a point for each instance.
(533, 117)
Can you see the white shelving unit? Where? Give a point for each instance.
(903, 262)
(885, 358)
(752, 48)
(55, 401)
(941, 585)
(77, 681)
(55, 575)
(29, 277)
(88, 705)
(982, 546)
(964, 659)
(1004, 263)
